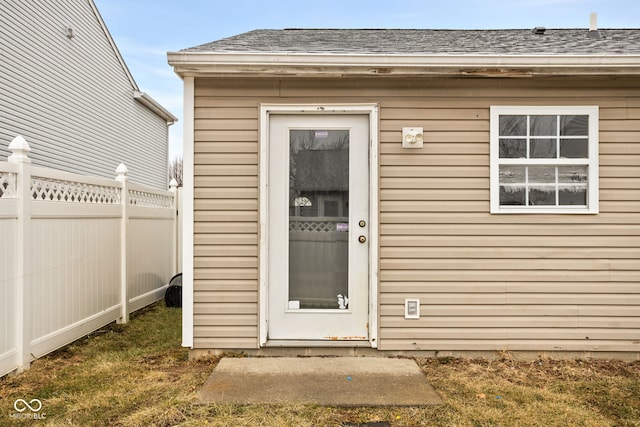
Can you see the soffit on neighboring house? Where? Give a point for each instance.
(391, 51)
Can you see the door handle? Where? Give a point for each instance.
(362, 239)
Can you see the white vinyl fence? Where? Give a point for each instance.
(76, 253)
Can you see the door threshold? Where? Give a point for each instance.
(317, 343)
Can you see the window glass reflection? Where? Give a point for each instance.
(513, 125)
(543, 125)
(512, 174)
(574, 125)
(513, 148)
(318, 217)
(573, 196)
(542, 174)
(574, 148)
(512, 195)
(542, 149)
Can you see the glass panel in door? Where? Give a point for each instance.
(318, 219)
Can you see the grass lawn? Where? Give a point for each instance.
(138, 375)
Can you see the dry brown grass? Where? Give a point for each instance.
(138, 375)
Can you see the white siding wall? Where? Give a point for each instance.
(71, 98)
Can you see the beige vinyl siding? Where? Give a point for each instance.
(486, 282)
(226, 221)
(71, 98)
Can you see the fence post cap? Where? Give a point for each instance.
(173, 184)
(122, 171)
(20, 149)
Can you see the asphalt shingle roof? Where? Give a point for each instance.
(429, 42)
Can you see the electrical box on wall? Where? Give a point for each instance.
(412, 308)
(412, 138)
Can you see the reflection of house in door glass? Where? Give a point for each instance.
(319, 172)
(318, 217)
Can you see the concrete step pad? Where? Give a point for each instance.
(327, 381)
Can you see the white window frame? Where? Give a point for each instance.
(592, 206)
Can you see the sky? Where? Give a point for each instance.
(145, 30)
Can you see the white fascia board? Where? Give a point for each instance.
(154, 106)
(194, 63)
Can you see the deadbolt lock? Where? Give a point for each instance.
(362, 223)
(362, 239)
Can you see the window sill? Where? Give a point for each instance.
(546, 211)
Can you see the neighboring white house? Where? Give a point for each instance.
(65, 87)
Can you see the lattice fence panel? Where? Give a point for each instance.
(312, 226)
(55, 190)
(150, 200)
(8, 189)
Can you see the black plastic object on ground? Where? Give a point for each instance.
(173, 295)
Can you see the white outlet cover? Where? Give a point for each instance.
(412, 308)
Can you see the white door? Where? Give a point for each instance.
(318, 242)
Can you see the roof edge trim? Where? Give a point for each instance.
(155, 107)
(192, 63)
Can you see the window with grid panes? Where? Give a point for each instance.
(544, 159)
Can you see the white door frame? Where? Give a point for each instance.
(266, 110)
